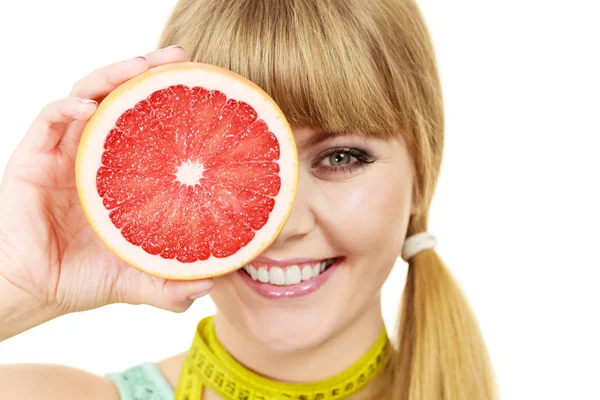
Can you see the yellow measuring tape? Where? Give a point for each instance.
(209, 364)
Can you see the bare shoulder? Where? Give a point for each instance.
(33, 381)
(171, 368)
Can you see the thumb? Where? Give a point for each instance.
(137, 287)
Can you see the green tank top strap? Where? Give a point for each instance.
(142, 382)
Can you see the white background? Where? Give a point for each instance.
(516, 211)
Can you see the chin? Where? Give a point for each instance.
(287, 331)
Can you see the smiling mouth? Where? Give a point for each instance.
(288, 275)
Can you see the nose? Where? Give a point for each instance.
(301, 219)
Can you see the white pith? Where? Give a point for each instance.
(289, 275)
(189, 173)
(89, 160)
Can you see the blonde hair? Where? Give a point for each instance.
(365, 66)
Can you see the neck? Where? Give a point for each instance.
(307, 365)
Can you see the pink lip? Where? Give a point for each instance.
(301, 289)
(284, 263)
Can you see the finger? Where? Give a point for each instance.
(104, 80)
(178, 296)
(171, 54)
(49, 127)
(101, 82)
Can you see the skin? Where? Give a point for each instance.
(56, 265)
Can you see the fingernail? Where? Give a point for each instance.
(175, 46)
(198, 295)
(88, 101)
(135, 58)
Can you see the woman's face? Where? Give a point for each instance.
(353, 206)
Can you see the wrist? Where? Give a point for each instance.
(19, 311)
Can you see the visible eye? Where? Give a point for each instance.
(341, 160)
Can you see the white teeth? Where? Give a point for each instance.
(276, 276)
(253, 272)
(316, 271)
(263, 275)
(306, 273)
(286, 276)
(292, 275)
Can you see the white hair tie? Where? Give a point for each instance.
(417, 243)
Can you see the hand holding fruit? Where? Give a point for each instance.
(50, 259)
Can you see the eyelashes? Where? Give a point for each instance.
(342, 160)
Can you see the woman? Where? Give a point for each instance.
(358, 83)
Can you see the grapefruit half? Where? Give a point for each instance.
(187, 171)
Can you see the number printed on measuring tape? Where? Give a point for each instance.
(203, 368)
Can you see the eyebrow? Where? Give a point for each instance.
(316, 139)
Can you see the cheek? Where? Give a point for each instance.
(368, 214)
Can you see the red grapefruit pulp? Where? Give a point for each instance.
(187, 171)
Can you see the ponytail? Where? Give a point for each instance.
(441, 354)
